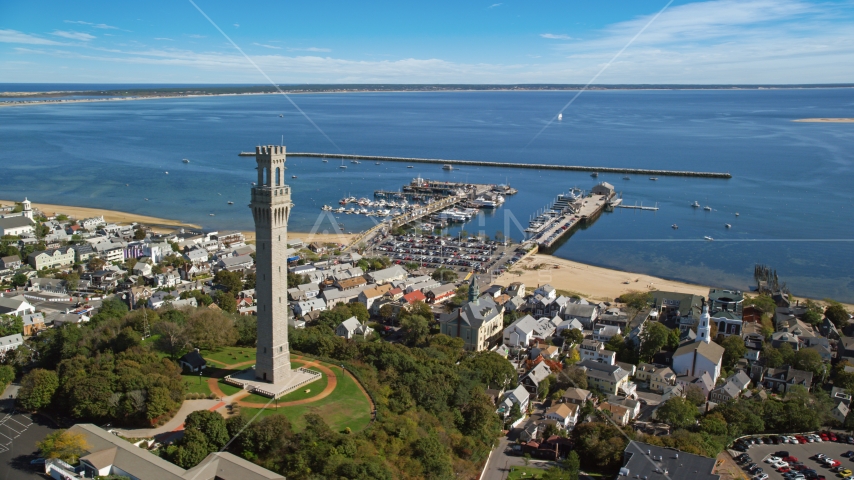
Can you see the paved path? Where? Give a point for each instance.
(176, 423)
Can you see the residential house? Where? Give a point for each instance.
(416, 296)
(333, 296)
(547, 351)
(606, 378)
(839, 412)
(516, 289)
(236, 264)
(703, 381)
(478, 322)
(196, 256)
(531, 381)
(54, 258)
(16, 305)
(659, 376)
(184, 303)
(605, 333)
(33, 323)
(642, 460)
(577, 396)
(352, 328)
(618, 413)
(82, 253)
(724, 393)
(546, 291)
(632, 405)
(387, 275)
(572, 323)
(10, 342)
(520, 333)
(519, 396)
(303, 307)
(595, 350)
(441, 293)
(564, 414)
(193, 362)
(48, 285)
(110, 252)
(781, 379)
(351, 284)
(677, 310)
(11, 262)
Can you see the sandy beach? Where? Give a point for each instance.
(158, 224)
(825, 120)
(594, 283)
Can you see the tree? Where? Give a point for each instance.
(713, 424)
(572, 464)
(139, 234)
(575, 376)
(763, 302)
(211, 425)
(493, 370)
(636, 301)
(836, 313)
(841, 378)
(226, 302)
(653, 338)
(734, 350)
(64, 445)
(572, 335)
(209, 330)
(37, 389)
(173, 338)
(444, 274)
(695, 395)
(247, 330)
(677, 412)
(809, 360)
(416, 328)
(7, 374)
(96, 263)
(812, 317)
(19, 279)
(773, 357)
(232, 281)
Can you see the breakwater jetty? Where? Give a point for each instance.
(535, 166)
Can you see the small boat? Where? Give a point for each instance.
(212, 214)
(728, 225)
(410, 166)
(231, 203)
(253, 183)
(377, 163)
(355, 161)
(325, 161)
(627, 177)
(280, 115)
(696, 204)
(710, 239)
(343, 166)
(186, 160)
(594, 174)
(707, 208)
(293, 176)
(560, 116)
(653, 178)
(674, 227)
(127, 185)
(145, 199)
(736, 214)
(447, 167)
(167, 173)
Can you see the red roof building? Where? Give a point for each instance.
(415, 296)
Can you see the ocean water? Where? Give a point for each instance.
(792, 182)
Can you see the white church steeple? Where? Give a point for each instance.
(27, 208)
(704, 329)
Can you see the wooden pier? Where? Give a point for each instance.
(535, 166)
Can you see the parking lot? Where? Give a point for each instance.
(802, 452)
(435, 251)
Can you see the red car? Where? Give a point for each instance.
(783, 469)
(801, 439)
(790, 459)
(824, 437)
(832, 437)
(834, 463)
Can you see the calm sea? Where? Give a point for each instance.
(792, 182)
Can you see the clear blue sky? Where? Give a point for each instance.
(717, 41)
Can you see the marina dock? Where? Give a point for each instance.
(535, 166)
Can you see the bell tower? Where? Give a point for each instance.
(271, 207)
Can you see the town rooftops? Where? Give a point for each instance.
(711, 351)
(579, 310)
(473, 313)
(613, 373)
(575, 394)
(15, 222)
(563, 410)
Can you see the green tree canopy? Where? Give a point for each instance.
(64, 445)
(37, 389)
(678, 412)
(734, 350)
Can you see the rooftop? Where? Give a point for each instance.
(649, 461)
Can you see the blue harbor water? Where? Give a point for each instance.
(791, 184)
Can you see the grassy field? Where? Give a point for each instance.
(298, 394)
(346, 407)
(192, 384)
(518, 473)
(230, 355)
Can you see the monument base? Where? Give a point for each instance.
(247, 381)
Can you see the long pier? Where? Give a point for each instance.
(535, 166)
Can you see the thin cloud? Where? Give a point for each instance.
(164, 39)
(495, 5)
(556, 36)
(195, 35)
(14, 36)
(85, 37)
(236, 25)
(93, 25)
(267, 46)
(309, 49)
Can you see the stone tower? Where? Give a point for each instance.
(271, 207)
(704, 328)
(27, 208)
(474, 290)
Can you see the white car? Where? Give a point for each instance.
(779, 464)
(773, 459)
(761, 476)
(817, 438)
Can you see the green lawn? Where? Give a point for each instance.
(517, 473)
(346, 407)
(230, 355)
(193, 385)
(227, 389)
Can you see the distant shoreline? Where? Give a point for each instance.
(825, 120)
(59, 97)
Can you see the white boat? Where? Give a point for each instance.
(710, 239)
(627, 177)
(653, 178)
(186, 160)
(674, 227)
(594, 174)
(410, 166)
(231, 203)
(280, 115)
(325, 161)
(707, 208)
(560, 116)
(343, 166)
(293, 176)
(167, 173)
(377, 163)
(736, 214)
(212, 214)
(696, 204)
(447, 167)
(728, 225)
(326, 208)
